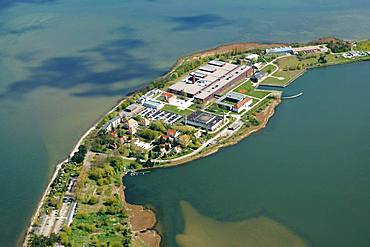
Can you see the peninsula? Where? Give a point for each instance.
(208, 100)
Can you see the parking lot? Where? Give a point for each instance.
(154, 114)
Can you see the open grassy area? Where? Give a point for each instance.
(247, 89)
(174, 109)
(214, 108)
(257, 93)
(363, 45)
(269, 69)
(289, 68)
(244, 87)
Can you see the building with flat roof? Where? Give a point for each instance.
(252, 57)
(155, 104)
(309, 49)
(234, 101)
(210, 79)
(131, 110)
(111, 124)
(204, 120)
(228, 80)
(280, 50)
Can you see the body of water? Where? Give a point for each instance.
(302, 181)
(63, 63)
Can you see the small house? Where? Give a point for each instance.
(144, 122)
(131, 123)
(172, 133)
(168, 97)
(177, 149)
(132, 130)
(198, 134)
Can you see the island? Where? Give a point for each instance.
(207, 101)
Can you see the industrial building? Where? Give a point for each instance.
(204, 120)
(211, 79)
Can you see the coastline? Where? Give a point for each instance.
(145, 223)
(25, 235)
(141, 219)
(142, 222)
(212, 51)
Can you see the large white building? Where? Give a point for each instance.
(211, 79)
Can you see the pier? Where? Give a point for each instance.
(292, 96)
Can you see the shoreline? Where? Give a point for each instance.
(141, 219)
(212, 51)
(148, 227)
(142, 222)
(25, 235)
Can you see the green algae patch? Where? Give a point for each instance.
(259, 231)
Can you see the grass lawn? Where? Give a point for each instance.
(269, 68)
(244, 88)
(214, 108)
(255, 101)
(289, 68)
(363, 45)
(257, 93)
(247, 89)
(174, 109)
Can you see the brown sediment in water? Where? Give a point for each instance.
(256, 231)
(142, 222)
(141, 219)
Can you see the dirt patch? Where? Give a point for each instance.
(241, 47)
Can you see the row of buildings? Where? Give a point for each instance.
(297, 50)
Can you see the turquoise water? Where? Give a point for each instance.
(63, 63)
(309, 169)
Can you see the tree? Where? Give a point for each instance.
(184, 140)
(148, 134)
(158, 126)
(42, 241)
(93, 200)
(79, 156)
(322, 59)
(117, 163)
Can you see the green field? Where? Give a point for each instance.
(363, 45)
(257, 94)
(245, 87)
(174, 109)
(269, 69)
(216, 109)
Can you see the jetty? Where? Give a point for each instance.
(292, 96)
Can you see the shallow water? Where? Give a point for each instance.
(260, 231)
(308, 170)
(63, 63)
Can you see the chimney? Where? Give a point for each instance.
(193, 78)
